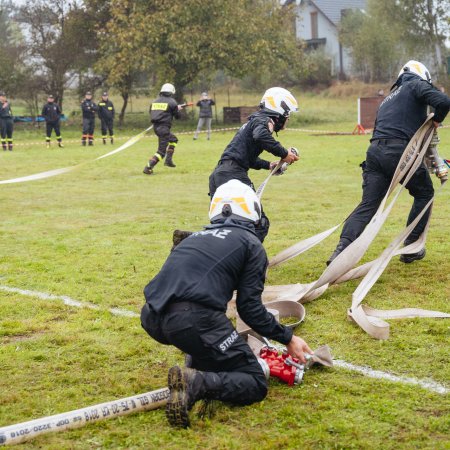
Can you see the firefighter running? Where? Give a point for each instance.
(162, 111)
(399, 116)
(106, 114)
(6, 123)
(89, 109)
(51, 112)
(242, 153)
(186, 303)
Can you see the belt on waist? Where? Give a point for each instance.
(389, 141)
(184, 306)
(228, 162)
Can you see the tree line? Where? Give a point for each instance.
(47, 46)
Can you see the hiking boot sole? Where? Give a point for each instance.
(176, 408)
(408, 259)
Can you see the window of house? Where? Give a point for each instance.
(314, 26)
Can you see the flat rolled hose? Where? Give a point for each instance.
(285, 309)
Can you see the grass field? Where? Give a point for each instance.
(100, 233)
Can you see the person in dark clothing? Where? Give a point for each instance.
(186, 304)
(51, 112)
(106, 114)
(6, 123)
(205, 115)
(162, 111)
(89, 109)
(242, 153)
(399, 116)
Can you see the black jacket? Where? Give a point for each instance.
(89, 108)
(5, 112)
(205, 106)
(163, 110)
(106, 110)
(51, 112)
(208, 266)
(251, 140)
(404, 110)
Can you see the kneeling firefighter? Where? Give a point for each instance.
(186, 304)
(242, 153)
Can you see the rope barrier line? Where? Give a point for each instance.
(121, 138)
(343, 267)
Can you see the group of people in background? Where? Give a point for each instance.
(104, 109)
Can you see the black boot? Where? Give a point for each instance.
(178, 236)
(4, 146)
(411, 257)
(339, 249)
(83, 142)
(10, 146)
(104, 141)
(187, 386)
(169, 155)
(148, 169)
(111, 139)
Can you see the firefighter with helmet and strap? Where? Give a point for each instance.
(187, 300)
(255, 136)
(162, 111)
(399, 116)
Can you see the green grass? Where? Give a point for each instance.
(99, 234)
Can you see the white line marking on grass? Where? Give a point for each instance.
(68, 301)
(429, 385)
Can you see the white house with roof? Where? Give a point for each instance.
(317, 23)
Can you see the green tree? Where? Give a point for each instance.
(60, 41)
(11, 50)
(390, 33)
(181, 40)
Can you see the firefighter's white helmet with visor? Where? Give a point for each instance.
(417, 68)
(168, 88)
(235, 200)
(279, 100)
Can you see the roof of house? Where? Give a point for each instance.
(332, 8)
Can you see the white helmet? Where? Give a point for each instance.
(279, 100)
(168, 87)
(418, 68)
(235, 199)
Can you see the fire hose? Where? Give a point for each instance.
(275, 362)
(54, 172)
(343, 268)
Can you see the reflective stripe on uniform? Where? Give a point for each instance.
(159, 106)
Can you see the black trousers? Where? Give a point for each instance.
(6, 129)
(107, 126)
(214, 345)
(381, 161)
(88, 127)
(50, 126)
(230, 170)
(165, 138)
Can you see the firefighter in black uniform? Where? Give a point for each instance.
(6, 123)
(106, 114)
(186, 304)
(242, 153)
(51, 112)
(399, 116)
(162, 111)
(88, 108)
